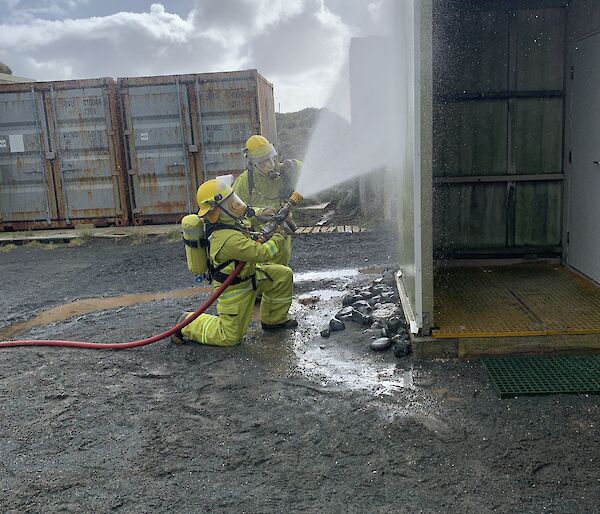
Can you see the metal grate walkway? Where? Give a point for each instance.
(522, 300)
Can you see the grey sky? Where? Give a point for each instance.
(299, 45)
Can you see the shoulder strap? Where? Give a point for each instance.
(250, 180)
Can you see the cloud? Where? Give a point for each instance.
(299, 45)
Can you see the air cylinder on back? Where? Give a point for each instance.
(196, 244)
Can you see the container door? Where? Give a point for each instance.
(90, 186)
(228, 116)
(584, 201)
(159, 141)
(24, 192)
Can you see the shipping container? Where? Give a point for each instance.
(181, 130)
(501, 168)
(59, 152)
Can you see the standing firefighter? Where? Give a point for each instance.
(221, 241)
(266, 185)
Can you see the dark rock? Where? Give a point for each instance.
(363, 319)
(375, 299)
(351, 299)
(362, 307)
(383, 343)
(395, 323)
(345, 313)
(378, 280)
(376, 326)
(336, 325)
(385, 332)
(365, 294)
(386, 297)
(326, 332)
(402, 348)
(378, 289)
(399, 338)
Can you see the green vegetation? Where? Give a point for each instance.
(7, 247)
(138, 236)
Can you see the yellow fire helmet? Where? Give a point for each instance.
(210, 194)
(258, 148)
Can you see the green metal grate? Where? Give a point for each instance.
(518, 376)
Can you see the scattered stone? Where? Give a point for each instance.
(399, 338)
(383, 343)
(351, 299)
(376, 326)
(384, 311)
(378, 289)
(345, 313)
(395, 323)
(308, 300)
(386, 297)
(335, 325)
(366, 294)
(362, 307)
(326, 332)
(385, 332)
(363, 319)
(402, 348)
(378, 280)
(374, 300)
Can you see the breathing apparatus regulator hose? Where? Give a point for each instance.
(131, 344)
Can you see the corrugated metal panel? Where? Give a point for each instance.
(502, 116)
(158, 137)
(266, 108)
(537, 133)
(229, 116)
(84, 133)
(470, 216)
(464, 64)
(471, 138)
(24, 193)
(539, 36)
(538, 214)
(181, 130)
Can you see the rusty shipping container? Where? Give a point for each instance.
(59, 155)
(180, 130)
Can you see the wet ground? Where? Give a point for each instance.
(293, 423)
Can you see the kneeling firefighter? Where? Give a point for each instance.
(216, 241)
(266, 185)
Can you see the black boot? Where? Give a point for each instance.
(289, 324)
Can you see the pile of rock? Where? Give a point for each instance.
(376, 307)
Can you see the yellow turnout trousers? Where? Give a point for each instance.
(235, 306)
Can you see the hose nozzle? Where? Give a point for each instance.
(296, 198)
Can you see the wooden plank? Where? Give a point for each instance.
(316, 230)
(340, 228)
(355, 229)
(363, 229)
(348, 228)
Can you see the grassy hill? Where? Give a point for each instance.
(294, 130)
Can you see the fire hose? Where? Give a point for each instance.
(131, 344)
(278, 219)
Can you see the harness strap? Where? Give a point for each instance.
(203, 243)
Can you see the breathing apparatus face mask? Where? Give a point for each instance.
(235, 207)
(265, 166)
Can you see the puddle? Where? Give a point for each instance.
(87, 305)
(313, 276)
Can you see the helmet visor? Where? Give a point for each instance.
(265, 164)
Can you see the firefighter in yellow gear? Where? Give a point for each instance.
(222, 211)
(266, 185)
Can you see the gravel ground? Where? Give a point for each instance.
(292, 423)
